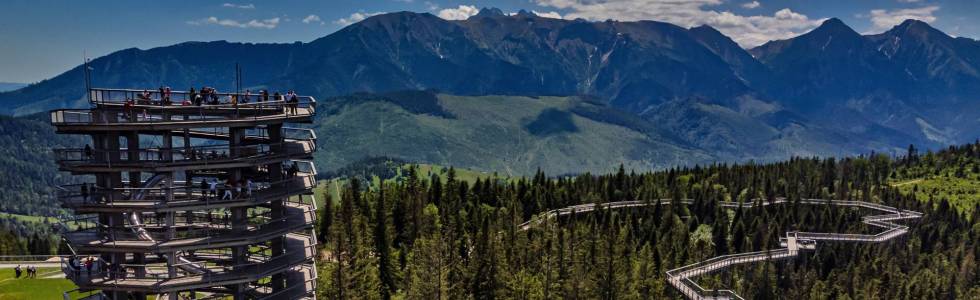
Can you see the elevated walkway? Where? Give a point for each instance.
(299, 252)
(99, 239)
(190, 158)
(792, 244)
(185, 197)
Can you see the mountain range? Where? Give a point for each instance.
(689, 92)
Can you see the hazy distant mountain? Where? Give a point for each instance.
(830, 90)
(913, 79)
(10, 86)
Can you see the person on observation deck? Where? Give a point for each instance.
(204, 189)
(293, 102)
(160, 101)
(205, 94)
(238, 189)
(192, 95)
(88, 266)
(249, 186)
(214, 96)
(87, 151)
(128, 108)
(143, 98)
(85, 192)
(213, 187)
(166, 97)
(278, 98)
(228, 186)
(248, 94)
(265, 96)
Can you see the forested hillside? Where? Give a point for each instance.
(442, 239)
(26, 160)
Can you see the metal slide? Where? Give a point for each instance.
(134, 219)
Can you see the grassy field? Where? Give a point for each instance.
(333, 186)
(34, 288)
(25, 218)
(956, 181)
(962, 193)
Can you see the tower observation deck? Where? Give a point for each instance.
(190, 200)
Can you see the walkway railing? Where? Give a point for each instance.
(74, 195)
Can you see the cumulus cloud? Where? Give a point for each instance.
(355, 17)
(263, 24)
(462, 12)
(242, 6)
(748, 31)
(883, 19)
(550, 14)
(751, 5)
(431, 6)
(312, 19)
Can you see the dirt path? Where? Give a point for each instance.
(907, 182)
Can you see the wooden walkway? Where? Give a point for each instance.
(792, 244)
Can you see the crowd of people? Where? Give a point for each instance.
(211, 96)
(77, 265)
(211, 188)
(231, 189)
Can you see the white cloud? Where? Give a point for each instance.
(312, 19)
(882, 19)
(355, 17)
(909, 1)
(242, 6)
(550, 14)
(431, 6)
(751, 5)
(462, 12)
(748, 31)
(263, 24)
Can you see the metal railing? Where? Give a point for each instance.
(131, 108)
(211, 154)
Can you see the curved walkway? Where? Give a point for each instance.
(790, 246)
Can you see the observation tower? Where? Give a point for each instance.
(190, 199)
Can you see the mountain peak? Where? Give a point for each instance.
(706, 28)
(834, 26)
(490, 12)
(916, 28)
(526, 13)
(909, 23)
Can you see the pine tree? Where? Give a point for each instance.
(381, 246)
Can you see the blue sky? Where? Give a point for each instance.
(43, 38)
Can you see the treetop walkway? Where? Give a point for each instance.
(792, 244)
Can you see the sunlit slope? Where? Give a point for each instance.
(508, 134)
